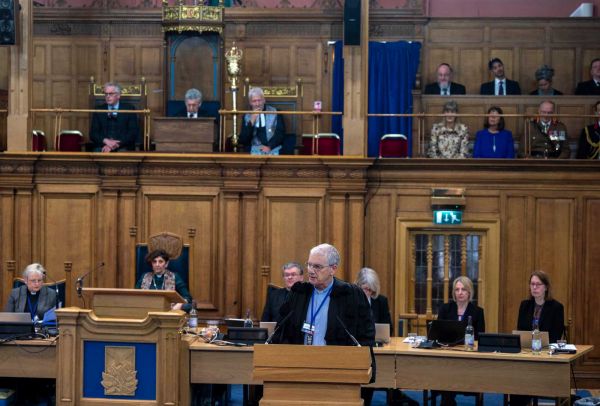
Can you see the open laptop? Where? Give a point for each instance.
(15, 324)
(526, 338)
(447, 332)
(382, 333)
(269, 325)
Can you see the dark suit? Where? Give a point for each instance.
(182, 112)
(587, 88)
(536, 93)
(455, 88)
(18, 300)
(551, 320)
(124, 127)
(249, 132)
(449, 311)
(489, 88)
(585, 150)
(380, 310)
(275, 298)
(348, 302)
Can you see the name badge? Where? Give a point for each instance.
(308, 329)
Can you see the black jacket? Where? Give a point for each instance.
(275, 299)
(18, 299)
(587, 88)
(380, 310)
(124, 127)
(347, 301)
(585, 150)
(455, 88)
(449, 311)
(551, 320)
(489, 88)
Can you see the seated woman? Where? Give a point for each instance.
(494, 141)
(162, 279)
(541, 310)
(544, 76)
(461, 309)
(449, 138)
(33, 297)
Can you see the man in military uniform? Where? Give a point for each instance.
(589, 140)
(547, 136)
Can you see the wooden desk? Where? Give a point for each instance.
(176, 134)
(399, 366)
(28, 359)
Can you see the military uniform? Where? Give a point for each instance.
(547, 140)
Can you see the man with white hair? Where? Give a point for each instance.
(262, 134)
(33, 297)
(325, 310)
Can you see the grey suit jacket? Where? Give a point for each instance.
(18, 299)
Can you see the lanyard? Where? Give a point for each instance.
(32, 309)
(314, 314)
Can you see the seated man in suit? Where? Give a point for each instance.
(114, 131)
(33, 297)
(193, 101)
(292, 272)
(548, 136)
(500, 86)
(444, 85)
(590, 87)
(262, 134)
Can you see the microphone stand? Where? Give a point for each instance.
(79, 283)
(57, 303)
(278, 326)
(354, 340)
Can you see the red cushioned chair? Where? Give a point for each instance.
(69, 141)
(38, 140)
(393, 146)
(321, 144)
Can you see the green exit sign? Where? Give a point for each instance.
(447, 217)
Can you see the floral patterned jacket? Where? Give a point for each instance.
(448, 142)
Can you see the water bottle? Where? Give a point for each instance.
(248, 320)
(470, 336)
(193, 318)
(536, 340)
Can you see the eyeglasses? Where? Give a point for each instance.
(316, 267)
(535, 284)
(111, 94)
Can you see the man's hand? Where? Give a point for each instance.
(264, 148)
(254, 116)
(110, 145)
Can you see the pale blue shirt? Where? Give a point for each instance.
(320, 321)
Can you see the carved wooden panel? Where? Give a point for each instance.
(586, 322)
(192, 214)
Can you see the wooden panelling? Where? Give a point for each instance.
(585, 288)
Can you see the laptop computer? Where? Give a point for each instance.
(525, 338)
(15, 324)
(492, 342)
(382, 333)
(447, 332)
(269, 325)
(247, 335)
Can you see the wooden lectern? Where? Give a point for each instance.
(176, 134)
(124, 349)
(308, 375)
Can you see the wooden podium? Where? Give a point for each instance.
(309, 375)
(180, 134)
(124, 349)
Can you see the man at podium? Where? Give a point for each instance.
(325, 310)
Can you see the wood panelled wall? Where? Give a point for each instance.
(245, 216)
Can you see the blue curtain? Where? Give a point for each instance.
(392, 72)
(337, 91)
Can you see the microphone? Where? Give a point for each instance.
(278, 326)
(354, 340)
(57, 303)
(79, 283)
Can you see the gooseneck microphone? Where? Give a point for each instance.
(354, 340)
(79, 282)
(58, 304)
(278, 326)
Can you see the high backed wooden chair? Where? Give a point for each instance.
(283, 98)
(135, 94)
(172, 244)
(60, 287)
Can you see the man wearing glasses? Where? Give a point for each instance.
(325, 310)
(112, 131)
(292, 272)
